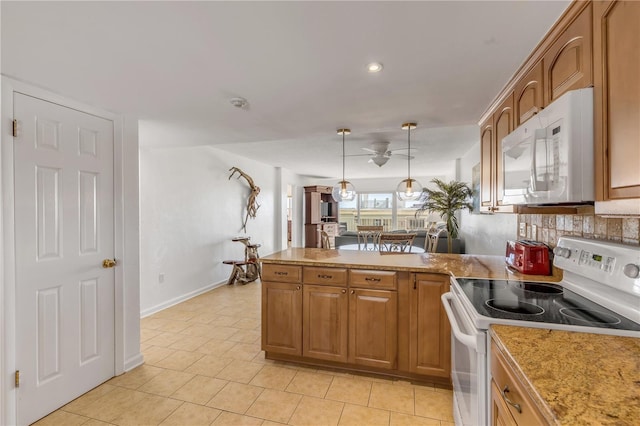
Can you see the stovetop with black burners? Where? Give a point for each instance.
(539, 302)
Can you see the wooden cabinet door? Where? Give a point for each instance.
(373, 328)
(529, 95)
(282, 318)
(503, 125)
(430, 341)
(568, 61)
(500, 415)
(324, 326)
(617, 99)
(486, 165)
(312, 207)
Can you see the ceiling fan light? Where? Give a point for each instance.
(380, 160)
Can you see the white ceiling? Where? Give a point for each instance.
(301, 66)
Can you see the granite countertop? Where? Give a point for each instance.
(458, 265)
(575, 378)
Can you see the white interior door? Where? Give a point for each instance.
(64, 228)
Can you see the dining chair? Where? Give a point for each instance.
(431, 241)
(368, 236)
(396, 243)
(325, 242)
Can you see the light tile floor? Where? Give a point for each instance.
(203, 366)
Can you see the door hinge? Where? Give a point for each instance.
(15, 128)
(17, 378)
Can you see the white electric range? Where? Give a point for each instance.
(599, 293)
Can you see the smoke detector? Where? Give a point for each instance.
(238, 102)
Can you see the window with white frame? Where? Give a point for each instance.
(382, 209)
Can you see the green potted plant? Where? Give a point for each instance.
(446, 200)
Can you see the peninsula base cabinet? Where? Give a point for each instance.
(373, 328)
(282, 318)
(282, 309)
(388, 322)
(430, 342)
(324, 322)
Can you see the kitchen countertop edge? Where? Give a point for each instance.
(456, 265)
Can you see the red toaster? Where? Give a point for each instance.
(529, 257)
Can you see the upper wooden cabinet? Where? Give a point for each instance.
(503, 124)
(491, 167)
(528, 94)
(562, 61)
(568, 62)
(617, 101)
(486, 165)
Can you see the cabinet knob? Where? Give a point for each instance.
(353, 292)
(343, 291)
(298, 288)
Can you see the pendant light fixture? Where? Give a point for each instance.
(343, 190)
(409, 189)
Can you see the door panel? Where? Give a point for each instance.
(373, 328)
(64, 228)
(430, 351)
(325, 311)
(282, 318)
(568, 61)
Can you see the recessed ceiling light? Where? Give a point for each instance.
(374, 67)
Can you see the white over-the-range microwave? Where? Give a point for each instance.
(549, 159)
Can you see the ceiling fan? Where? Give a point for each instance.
(380, 153)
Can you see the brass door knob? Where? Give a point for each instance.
(109, 263)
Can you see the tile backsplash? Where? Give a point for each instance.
(547, 228)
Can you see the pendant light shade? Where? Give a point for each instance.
(409, 189)
(343, 190)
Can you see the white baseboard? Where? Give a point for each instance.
(133, 362)
(164, 305)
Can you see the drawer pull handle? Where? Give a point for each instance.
(510, 402)
(281, 273)
(328, 277)
(375, 280)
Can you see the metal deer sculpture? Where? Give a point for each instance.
(252, 203)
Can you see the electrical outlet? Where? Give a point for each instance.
(523, 229)
(534, 232)
(161, 278)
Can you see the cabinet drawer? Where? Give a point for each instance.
(281, 273)
(373, 279)
(325, 276)
(509, 387)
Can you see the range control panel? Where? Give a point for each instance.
(616, 265)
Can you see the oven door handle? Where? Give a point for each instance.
(466, 339)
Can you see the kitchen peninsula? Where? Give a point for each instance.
(366, 311)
